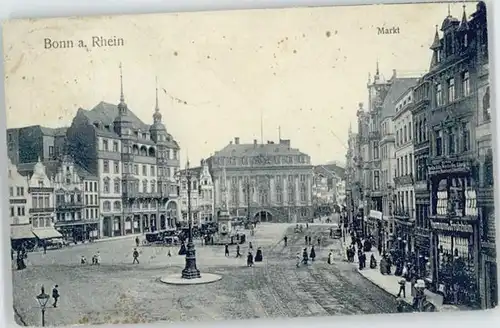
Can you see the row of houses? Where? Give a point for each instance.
(420, 167)
(107, 174)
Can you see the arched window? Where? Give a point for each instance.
(106, 206)
(117, 206)
(117, 186)
(106, 185)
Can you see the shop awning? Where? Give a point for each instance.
(375, 215)
(22, 231)
(47, 233)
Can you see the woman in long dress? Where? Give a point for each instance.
(258, 255)
(330, 257)
(313, 254)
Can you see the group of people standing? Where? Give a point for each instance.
(304, 259)
(251, 259)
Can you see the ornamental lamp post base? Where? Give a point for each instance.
(190, 270)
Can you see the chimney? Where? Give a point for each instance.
(394, 74)
(285, 142)
(236, 140)
(231, 142)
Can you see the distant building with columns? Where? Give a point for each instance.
(266, 182)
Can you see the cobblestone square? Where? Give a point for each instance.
(118, 291)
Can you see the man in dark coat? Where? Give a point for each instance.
(285, 239)
(305, 256)
(238, 254)
(250, 259)
(226, 250)
(135, 255)
(55, 295)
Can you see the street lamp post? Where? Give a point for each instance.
(42, 299)
(190, 271)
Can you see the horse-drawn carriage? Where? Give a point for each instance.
(161, 238)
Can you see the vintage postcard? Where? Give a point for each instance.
(250, 164)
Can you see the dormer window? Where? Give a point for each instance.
(144, 136)
(466, 41)
(438, 55)
(107, 127)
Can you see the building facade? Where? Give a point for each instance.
(421, 234)
(77, 210)
(42, 211)
(265, 182)
(20, 205)
(202, 195)
(404, 200)
(135, 164)
(455, 73)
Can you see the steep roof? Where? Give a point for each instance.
(240, 150)
(330, 169)
(51, 167)
(397, 88)
(27, 169)
(105, 113)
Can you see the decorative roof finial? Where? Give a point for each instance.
(122, 97)
(157, 107)
(378, 71)
(449, 9)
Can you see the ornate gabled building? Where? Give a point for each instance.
(202, 195)
(378, 147)
(403, 207)
(42, 211)
(135, 163)
(458, 68)
(266, 182)
(353, 175)
(76, 202)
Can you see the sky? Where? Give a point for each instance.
(301, 71)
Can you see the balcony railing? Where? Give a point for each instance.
(41, 210)
(145, 195)
(69, 206)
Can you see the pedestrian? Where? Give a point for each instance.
(238, 254)
(44, 247)
(331, 232)
(299, 259)
(98, 258)
(258, 255)
(83, 260)
(135, 255)
(319, 241)
(169, 254)
(55, 295)
(402, 288)
(312, 255)
(307, 225)
(250, 259)
(306, 239)
(373, 262)
(226, 250)
(330, 257)
(310, 240)
(285, 239)
(250, 246)
(137, 241)
(305, 256)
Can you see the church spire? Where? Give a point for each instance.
(377, 73)
(437, 42)
(464, 25)
(122, 106)
(157, 114)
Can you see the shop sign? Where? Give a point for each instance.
(447, 166)
(452, 227)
